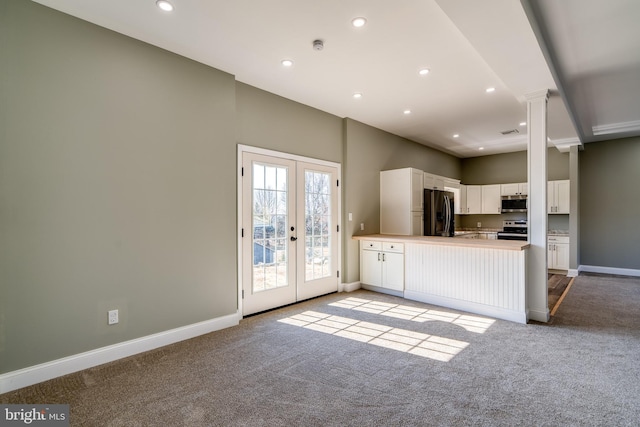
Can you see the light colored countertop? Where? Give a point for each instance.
(512, 245)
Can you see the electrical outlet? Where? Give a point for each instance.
(350, 216)
(479, 224)
(113, 317)
(362, 226)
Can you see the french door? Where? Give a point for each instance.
(290, 231)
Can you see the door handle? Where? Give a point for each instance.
(294, 238)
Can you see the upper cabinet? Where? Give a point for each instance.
(433, 182)
(401, 193)
(515, 189)
(491, 200)
(473, 199)
(558, 197)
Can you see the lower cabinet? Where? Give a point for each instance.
(382, 265)
(558, 252)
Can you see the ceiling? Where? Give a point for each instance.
(587, 54)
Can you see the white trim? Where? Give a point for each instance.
(539, 316)
(630, 126)
(265, 152)
(77, 362)
(349, 287)
(468, 306)
(573, 272)
(564, 145)
(609, 270)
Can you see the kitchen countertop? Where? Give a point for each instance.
(512, 245)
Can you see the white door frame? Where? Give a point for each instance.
(249, 149)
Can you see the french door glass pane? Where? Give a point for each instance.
(269, 227)
(317, 225)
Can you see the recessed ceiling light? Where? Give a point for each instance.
(481, 148)
(287, 63)
(490, 89)
(407, 111)
(358, 22)
(357, 95)
(523, 123)
(164, 5)
(424, 71)
(455, 135)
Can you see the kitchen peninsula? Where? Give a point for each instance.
(479, 276)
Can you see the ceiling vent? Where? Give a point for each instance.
(510, 132)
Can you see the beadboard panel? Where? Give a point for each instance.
(486, 281)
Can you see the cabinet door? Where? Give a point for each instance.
(474, 199)
(461, 205)
(491, 201)
(562, 196)
(551, 262)
(551, 202)
(393, 271)
(509, 189)
(561, 256)
(371, 267)
(417, 190)
(524, 188)
(428, 181)
(417, 223)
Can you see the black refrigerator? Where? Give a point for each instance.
(438, 213)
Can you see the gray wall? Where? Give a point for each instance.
(368, 151)
(269, 121)
(111, 158)
(610, 203)
(118, 183)
(506, 168)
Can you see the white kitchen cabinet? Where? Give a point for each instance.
(558, 252)
(433, 182)
(460, 205)
(417, 223)
(401, 194)
(514, 189)
(474, 199)
(382, 265)
(491, 200)
(558, 197)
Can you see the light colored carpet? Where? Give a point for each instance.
(582, 369)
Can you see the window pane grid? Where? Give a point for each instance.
(317, 225)
(270, 250)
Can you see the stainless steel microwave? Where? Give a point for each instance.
(514, 203)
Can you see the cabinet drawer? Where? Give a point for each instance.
(371, 245)
(393, 247)
(558, 239)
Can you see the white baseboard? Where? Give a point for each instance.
(609, 270)
(350, 287)
(573, 272)
(471, 307)
(539, 315)
(67, 365)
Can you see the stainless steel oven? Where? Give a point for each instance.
(514, 230)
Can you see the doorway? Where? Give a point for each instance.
(289, 229)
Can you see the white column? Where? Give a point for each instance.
(537, 211)
(574, 218)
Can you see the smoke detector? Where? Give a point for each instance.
(318, 44)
